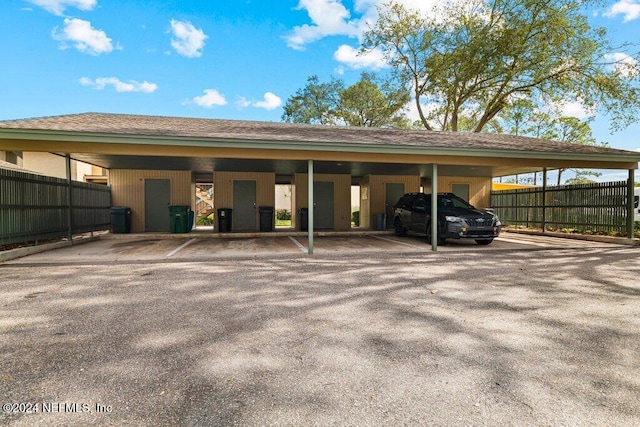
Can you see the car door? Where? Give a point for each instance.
(420, 214)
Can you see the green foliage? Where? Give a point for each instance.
(207, 220)
(470, 60)
(368, 103)
(283, 215)
(355, 218)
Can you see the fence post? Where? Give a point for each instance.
(69, 215)
(544, 200)
(630, 202)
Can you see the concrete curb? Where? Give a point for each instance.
(30, 250)
(586, 237)
(237, 235)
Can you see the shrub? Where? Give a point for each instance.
(355, 218)
(283, 214)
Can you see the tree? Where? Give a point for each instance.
(474, 58)
(368, 102)
(316, 103)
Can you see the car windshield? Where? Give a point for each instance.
(445, 201)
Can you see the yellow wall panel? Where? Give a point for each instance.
(341, 198)
(223, 189)
(373, 194)
(127, 189)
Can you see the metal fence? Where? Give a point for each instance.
(35, 207)
(600, 207)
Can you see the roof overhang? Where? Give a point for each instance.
(206, 154)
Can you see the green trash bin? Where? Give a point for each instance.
(179, 219)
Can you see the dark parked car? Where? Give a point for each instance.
(457, 219)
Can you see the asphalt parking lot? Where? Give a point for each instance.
(127, 248)
(467, 336)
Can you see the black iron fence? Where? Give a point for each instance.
(35, 207)
(600, 207)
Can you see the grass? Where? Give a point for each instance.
(283, 223)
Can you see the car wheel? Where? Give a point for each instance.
(399, 228)
(441, 241)
(484, 242)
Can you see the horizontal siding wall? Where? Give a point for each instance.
(341, 198)
(127, 189)
(373, 194)
(223, 189)
(479, 188)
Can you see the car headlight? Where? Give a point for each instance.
(453, 218)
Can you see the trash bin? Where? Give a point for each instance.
(179, 219)
(224, 220)
(120, 219)
(192, 217)
(266, 218)
(304, 219)
(381, 222)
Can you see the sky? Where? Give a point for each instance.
(227, 59)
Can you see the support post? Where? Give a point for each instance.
(630, 203)
(434, 207)
(544, 200)
(69, 215)
(310, 209)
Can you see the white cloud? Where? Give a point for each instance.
(57, 7)
(242, 102)
(328, 18)
(210, 99)
(332, 18)
(624, 64)
(83, 36)
(269, 102)
(188, 40)
(130, 86)
(572, 109)
(629, 8)
(351, 57)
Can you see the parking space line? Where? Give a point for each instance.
(298, 244)
(179, 248)
(398, 242)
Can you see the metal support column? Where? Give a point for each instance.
(544, 200)
(630, 203)
(434, 207)
(310, 209)
(69, 204)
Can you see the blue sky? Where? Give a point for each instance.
(235, 59)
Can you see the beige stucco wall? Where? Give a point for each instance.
(341, 198)
(373, 194)
(223, 190)
(127, 189)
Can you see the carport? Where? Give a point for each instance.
(179, 151)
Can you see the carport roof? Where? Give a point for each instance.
(240, 130)
(124, 141)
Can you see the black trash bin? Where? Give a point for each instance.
(304, 219)
(224, 220)
(266, 218)
(179, 219)
(381, 222)
(120, 219)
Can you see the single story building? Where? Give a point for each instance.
(154, 162)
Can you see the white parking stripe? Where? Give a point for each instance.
(521, 242)
(398, 242)
(179, 248)
(298, 244)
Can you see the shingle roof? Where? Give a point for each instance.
(230, 130)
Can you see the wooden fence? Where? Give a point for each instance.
(35, 207)
(600, 207)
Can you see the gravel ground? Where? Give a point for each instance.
(522, 338)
